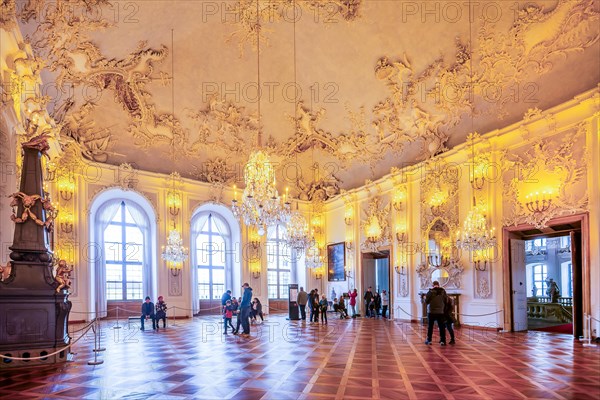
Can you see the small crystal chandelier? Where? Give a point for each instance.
(261, 205)
(174, 253)
(313, 256)
(296, 234)
(476, 235)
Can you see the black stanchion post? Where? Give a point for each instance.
(95, 361)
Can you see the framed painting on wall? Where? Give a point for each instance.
(336, 261)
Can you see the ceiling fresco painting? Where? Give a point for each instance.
(375, 85)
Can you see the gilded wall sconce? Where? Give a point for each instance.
(348, 213)
(398, 198)
(319, 273)
(66, 223)
(400, 270)
(255, 268)
(66, 188)
(174, 203)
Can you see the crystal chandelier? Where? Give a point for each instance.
(296, 234)
(476, 235)
(261, 205)
(313, 256)
(174, 253)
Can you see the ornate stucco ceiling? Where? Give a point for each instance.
(171, 85)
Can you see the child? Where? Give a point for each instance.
(323, 309)
(257, 310)
(227, 315)
(448, 308)
(236, 304)
(161, 312)
(372, 307)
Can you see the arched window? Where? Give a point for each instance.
(122, 248)
(280, 268)
(124, 256)
(211, 246)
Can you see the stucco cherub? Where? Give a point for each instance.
(63, 275)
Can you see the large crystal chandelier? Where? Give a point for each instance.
(261, 205)
(296, 234)
(476, 235)
(174, 253)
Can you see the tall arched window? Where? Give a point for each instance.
(122, 248)
(280, 267)
(124, 256)
(211, 247)
(215, 256)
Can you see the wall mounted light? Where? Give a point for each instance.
(255, 268)
(319, 273)
(174, 203)
(66, 188)
(398, 198)
(437, 200)
(400, 270)
(174, 267)
(401, 235)
(66, 222)
(539, 202)
(348, 214)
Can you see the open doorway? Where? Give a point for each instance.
(546, 275)
(376, 274)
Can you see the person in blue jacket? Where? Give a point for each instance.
(246, 307)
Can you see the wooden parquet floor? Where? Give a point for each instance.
(346, 359)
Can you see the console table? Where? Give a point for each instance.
(455, 312)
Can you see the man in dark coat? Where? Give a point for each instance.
(148, 313)
(436, 299)
(368, 297)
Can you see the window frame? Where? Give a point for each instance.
(279, 242)
(214, 293)
(123, 261)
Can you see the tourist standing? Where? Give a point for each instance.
(302, 299)
(323, 304)
(436, 301)
(353, 295)
(448, 308)
(385, 302)
(246, 306)
(367, 298)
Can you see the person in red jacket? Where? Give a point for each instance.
(353, 295)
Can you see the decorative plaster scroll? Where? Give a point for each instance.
(549, 161)
(320, 189)
(440, 179)
(483, 290)
(225, 127)
(403, 289)
(215, 171)
(8, 14)
(376, 210)
(451, 266)
(175, 284)
(250, 21)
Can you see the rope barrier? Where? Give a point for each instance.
(481, 315)
(51, 354)
(593, 318)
